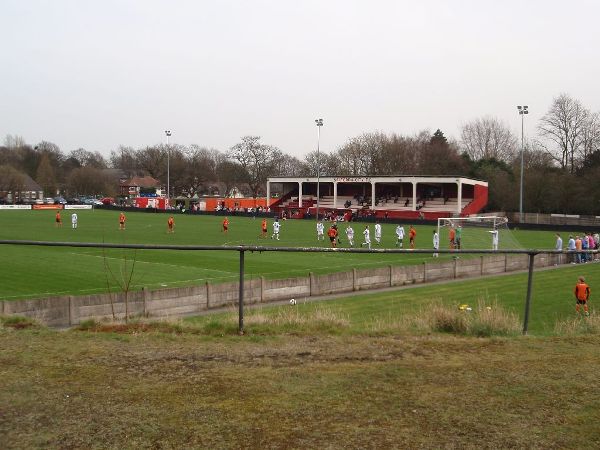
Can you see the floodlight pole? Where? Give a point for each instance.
(522, 111)
(168, 133)
(319, 123)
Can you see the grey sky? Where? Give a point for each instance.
(103, 73)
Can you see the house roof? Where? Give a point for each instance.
(29, 184)
(145, 182)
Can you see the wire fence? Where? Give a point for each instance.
(242, 249)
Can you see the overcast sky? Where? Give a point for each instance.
(97, 74)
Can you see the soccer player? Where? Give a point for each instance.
(494, 239)
(436, 243)
(452, 237)
(458, 237)
(57, 219)
(276, 226)
(582, 295)
(225, 225)
(367, 235)
(74, 220)
(412, 234)
(170, 225)
(263, 229)
(332, 233)
(399, 236)
(378, 232)
(320, 231)
(121, 221)
(350, 235)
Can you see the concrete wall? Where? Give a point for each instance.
(70, 310)
(288, 288)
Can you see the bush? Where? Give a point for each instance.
(482, 321)
(578, 325)
(18, 322)
(448, 320)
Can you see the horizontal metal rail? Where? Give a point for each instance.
(242, 249)
(265, 248)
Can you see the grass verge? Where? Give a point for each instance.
(117, 389)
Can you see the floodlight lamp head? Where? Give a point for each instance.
(168, 132)
(319, 122)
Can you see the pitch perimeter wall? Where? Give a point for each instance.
(65, 311)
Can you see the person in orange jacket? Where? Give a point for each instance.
(582, 295)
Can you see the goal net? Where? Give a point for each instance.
(476, 232)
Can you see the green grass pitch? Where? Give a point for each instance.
(31, 272)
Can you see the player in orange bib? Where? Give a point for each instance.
(412, 234)
(225, 225)
(121, 221)
(332, 233)
(582, 295)
(263, 229)
(452, 237)
(58, 220)
(170, 225)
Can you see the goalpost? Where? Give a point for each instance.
(476, 232)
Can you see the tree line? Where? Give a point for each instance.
(561, 161)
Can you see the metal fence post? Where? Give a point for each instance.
(528, 299)
(241, 294)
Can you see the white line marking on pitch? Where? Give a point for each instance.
(158, 263)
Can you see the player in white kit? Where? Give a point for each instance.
(74, 220)
(276, 226)
(367, 235)
(350, 235)
(436, 243)
(494, 239)
(399, 236)
(378, 232)
(320, 231)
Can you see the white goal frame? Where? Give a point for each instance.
(494, 221)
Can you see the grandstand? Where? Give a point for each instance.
(399, 197)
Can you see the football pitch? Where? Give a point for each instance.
(32, 272)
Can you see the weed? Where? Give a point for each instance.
(18, 322)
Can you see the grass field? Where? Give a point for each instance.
(552, 301)
(347, 373)
(172, 389)
(38, 271)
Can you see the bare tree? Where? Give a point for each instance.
(256, 158)
(363, 155)
(125, 158)
(487, 138)
(563, 125)
(153, 160)
(45, 175)
(590, 136)
(88, 181)
(14, 142)
(88, 159)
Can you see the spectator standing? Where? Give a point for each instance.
(582, 295)
(558, 247)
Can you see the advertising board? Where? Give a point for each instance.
(15, 206)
